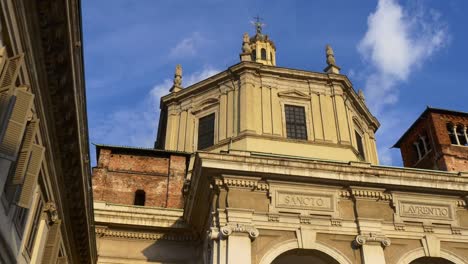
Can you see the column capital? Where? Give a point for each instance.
(372, 238)
(231, 228)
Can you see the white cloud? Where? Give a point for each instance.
(398, 41)
(187, 46)
(136, 126)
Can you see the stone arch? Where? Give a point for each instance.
(419, 253)
(291, 244)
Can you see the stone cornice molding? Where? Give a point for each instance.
(370, 193)
(372, 239)
(308, 168)
(106, 232)
(232, 181)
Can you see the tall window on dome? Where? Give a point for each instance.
(263, 54)
(296, 127)
(359, 144)
(206, 131)
(254, 55)
(140, 197)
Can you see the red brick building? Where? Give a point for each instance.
(139, 176)
(436, 140)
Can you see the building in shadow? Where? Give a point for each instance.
(46, 211)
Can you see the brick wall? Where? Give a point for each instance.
(444, 155)
(122, 171)
(452, 157)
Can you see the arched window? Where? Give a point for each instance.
(452, 135)
(461, 135)
(254, 55)
(263, 54)
(140, 197)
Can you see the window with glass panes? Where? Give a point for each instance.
(35, 225)
(360, 145)
(295, 122)
(206, 131)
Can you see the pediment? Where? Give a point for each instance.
(294, 94)
(207, 103)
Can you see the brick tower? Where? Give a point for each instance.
(436, 140)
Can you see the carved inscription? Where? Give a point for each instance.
(433, 211)
(304, 201)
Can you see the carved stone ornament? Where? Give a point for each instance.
(372, 238)
(228, 229)
(330, 55)
(51, 210)
(246, 44)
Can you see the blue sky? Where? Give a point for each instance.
(405, 55)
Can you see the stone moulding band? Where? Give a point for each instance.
(105, 232)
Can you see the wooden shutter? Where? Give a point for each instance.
(32, 172)
(25, 152)
(10, 72)
(16, 123)
(51, 248)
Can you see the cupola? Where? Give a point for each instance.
(258, 48)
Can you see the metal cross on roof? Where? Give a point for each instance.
(258, 25)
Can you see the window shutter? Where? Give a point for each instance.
(25, 152)
(17, 122)
(10, 72)
(51, 248)
(32, 172)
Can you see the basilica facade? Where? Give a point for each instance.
(263, 164)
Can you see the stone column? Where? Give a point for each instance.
(455, 134)
(465, 128)
(372, 248)
(233, 244)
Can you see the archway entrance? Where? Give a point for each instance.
(303, 256)
(429, 260)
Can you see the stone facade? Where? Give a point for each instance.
(259, 195)
(443, 154)
(46, 211)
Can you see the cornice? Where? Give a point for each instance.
(104, 232)
(252, 183)
(333, 171)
